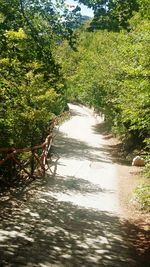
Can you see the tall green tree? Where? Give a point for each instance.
(112, 15)
(32, 87)
(110, 71)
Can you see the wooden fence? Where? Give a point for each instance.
(23, 161)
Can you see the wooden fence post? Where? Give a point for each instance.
(11, 160)
(32, 163)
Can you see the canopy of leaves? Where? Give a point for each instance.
(111, 72)
(111, 14)
(32, 88)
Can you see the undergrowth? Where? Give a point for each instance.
(142, 196)
(142, 191)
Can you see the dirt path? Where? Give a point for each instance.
(73, 217)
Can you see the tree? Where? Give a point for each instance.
(110, 72)
(112, 15)
(32, 87)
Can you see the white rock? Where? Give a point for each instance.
(138, 161)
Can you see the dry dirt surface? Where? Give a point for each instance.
(79, 214)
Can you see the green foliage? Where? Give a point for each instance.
(147, 158)
(142, 196)
(144, 8)
(112, 15)
(32, 89)
(110, 71)
(147, 170)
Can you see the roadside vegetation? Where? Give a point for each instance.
(32, 88)
(141, 196)
(47, 59)
(110, 72)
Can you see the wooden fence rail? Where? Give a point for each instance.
(12, 156)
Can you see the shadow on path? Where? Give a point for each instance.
(116, 151)
(72, 148)
(39, 230)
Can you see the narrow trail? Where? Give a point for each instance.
(86, 163)
(72, 217)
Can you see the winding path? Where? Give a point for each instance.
(72, 217)
(85, 163)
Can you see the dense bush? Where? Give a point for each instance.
(32, 90)
(110, 72)
(142, 196)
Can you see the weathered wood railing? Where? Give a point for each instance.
(33, 159)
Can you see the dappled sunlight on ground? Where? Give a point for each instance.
(80, 127)
(41, 230)
(84, 193)
(51, 231)
(70, 217)
(83, 157)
